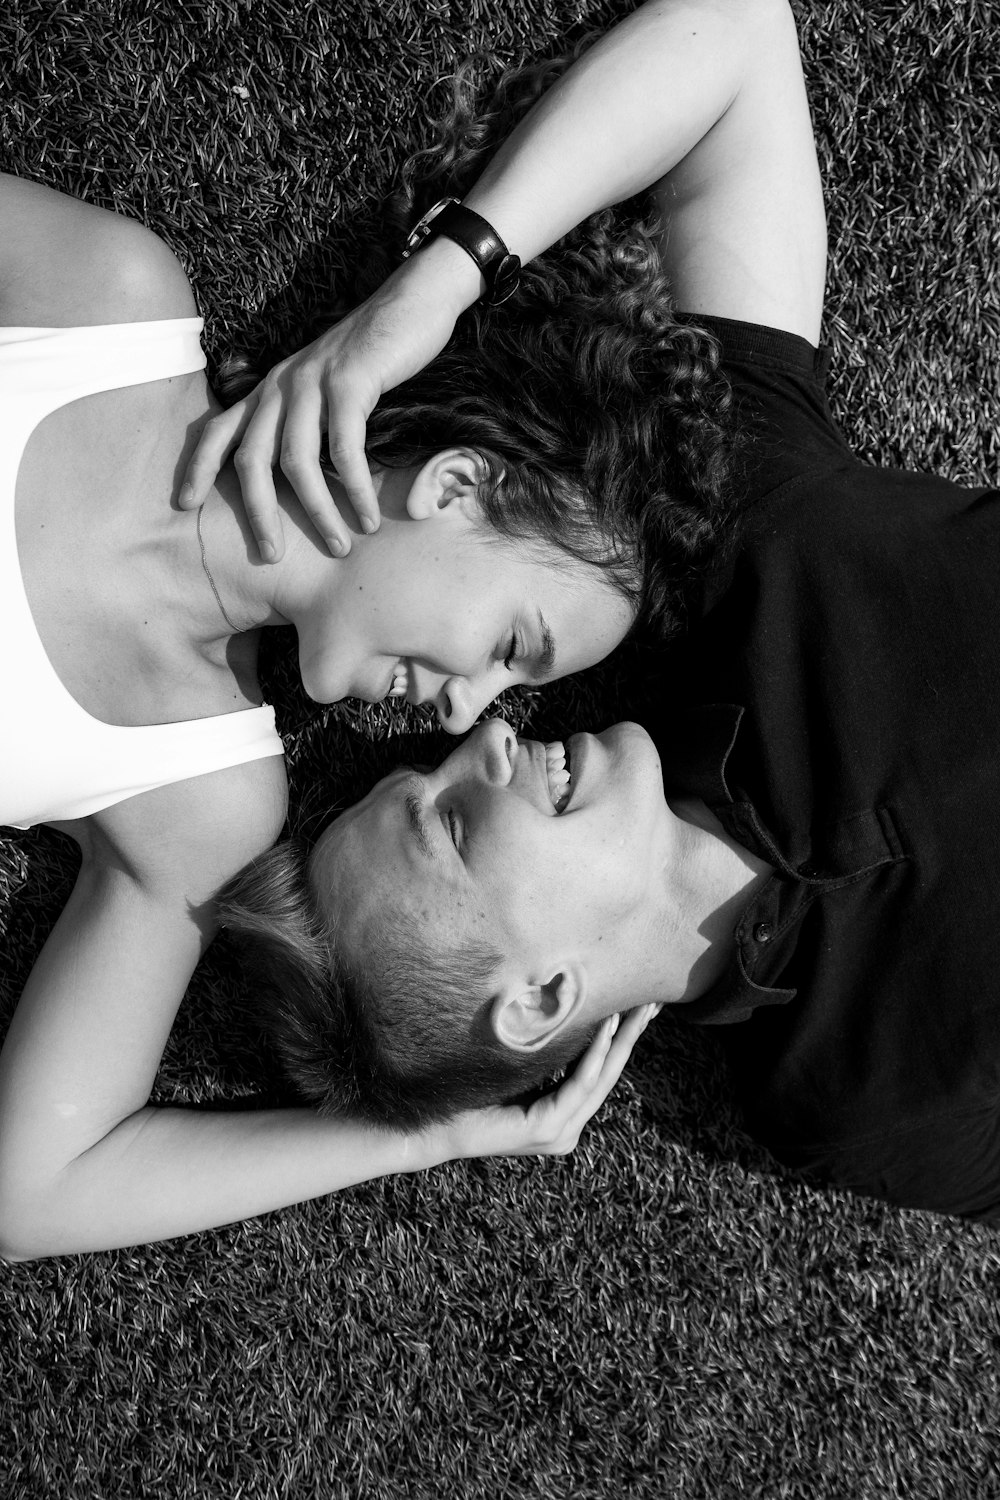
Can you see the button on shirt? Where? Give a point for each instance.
(836, 706)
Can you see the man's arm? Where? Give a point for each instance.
(701, 99)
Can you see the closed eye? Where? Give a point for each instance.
(540, 665)
(513, 652)
(454, 828)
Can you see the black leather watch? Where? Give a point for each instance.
(501, 270)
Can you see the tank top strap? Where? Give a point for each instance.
(59, 365)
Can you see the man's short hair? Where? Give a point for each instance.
(398, 1035)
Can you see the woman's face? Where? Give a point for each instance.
(452, 614)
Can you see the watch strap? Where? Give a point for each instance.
(476, 236)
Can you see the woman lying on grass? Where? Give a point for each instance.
(517, 481)
(805, 853)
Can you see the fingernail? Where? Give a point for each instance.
(267, 550)
(184, 494)
(336, 546)
(615, 1020)
(367, 524)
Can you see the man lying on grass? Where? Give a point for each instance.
(804, 848)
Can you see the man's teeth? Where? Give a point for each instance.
(558, 776)
(399, 681)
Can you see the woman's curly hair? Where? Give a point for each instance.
(603, 420)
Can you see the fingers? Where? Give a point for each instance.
(590, 1083)
(602, 1063)
(300, 463)
(346, 439)
(282, 419)
(218, 439)
(254, 461)
(589, 1068)
(552, 1125)
(623, 1038)
(251, 429)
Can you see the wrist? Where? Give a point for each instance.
(444, 1141)
(453, 220)
(443, 272)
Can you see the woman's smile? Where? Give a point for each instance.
(399, 682)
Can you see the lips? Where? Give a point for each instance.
(557, 774)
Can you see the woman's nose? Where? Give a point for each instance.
(459, 704)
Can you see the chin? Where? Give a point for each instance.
(640, 764)
(634, 744)
(629, 727)
(322, 695)
(319, 688)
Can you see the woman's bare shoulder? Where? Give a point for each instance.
(65, 263)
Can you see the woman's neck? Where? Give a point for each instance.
(232, 590)
(238, 591)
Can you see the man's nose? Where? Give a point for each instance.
(494, 746)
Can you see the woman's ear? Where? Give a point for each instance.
(527, 1018)
(451, 478)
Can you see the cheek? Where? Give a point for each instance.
(402, 618)
(448, 604)
(379, 597)
(602, 879)
(449, 916)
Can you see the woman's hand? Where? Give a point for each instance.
(330, 388)
(552, 1125)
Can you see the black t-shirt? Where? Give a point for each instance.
(837, 706)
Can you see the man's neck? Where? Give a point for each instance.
(709, 881)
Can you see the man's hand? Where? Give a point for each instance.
(553, 1124)
(330, 388)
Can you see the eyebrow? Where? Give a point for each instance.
(415, 818)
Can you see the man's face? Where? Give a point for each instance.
(545, 854)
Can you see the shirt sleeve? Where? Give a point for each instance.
(785, 425)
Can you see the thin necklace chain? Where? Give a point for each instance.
(208, 574)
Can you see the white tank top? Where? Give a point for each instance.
(56, 760)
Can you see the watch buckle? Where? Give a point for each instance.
(422, 227)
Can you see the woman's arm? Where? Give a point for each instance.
(85, 1162)
(703, 99)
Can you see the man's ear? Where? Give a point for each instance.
(449, 479)
(527, 1017)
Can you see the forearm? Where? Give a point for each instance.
(84, 1162)
(167, 1172)
(618, 121)
(633, 107)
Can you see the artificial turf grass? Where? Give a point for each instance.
(664, 1314)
